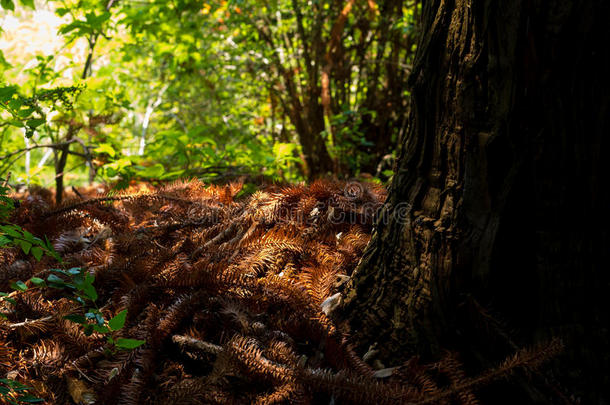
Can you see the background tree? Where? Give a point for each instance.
(283, 90)
(338, 71)
(499, 194)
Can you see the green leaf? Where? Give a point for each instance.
(129, 343)
(74, 271)
(4, 297)
(101, 328)
(105, 148)
(97, 21)
(100, 319)
(118, 321)
(25, 246)
(55, 281)
(78, 300)
(19, 286)
(7, 4)
(5, 241)
(15, 103)
(28, 3)
(76, 319)
(62, 11)
(81, 26)
(90, 292)
(7, 92)
(154, 172)
(11, 230)
(35, 122)
(50, 250)
(88, 330)
(37, 253)
(3, 62)
(30, 399)
(38, 282)
(28, 237)
(26, 112)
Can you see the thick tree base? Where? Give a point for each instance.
(491, 237)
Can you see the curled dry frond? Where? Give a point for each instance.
(226, 293)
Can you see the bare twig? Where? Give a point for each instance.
(197, 344)
(5, 182)
(29, 148)
(29, 322)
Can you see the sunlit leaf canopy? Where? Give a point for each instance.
(122, 90)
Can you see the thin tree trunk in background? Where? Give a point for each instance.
(60, 164)
(28, 159)
(150, 109)
(332, 52)
(316, 155)
(343, 98)
(499, 194)
(73, 128)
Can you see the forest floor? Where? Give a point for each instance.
(188, 294)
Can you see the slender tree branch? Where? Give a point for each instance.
(150, 109)
(29, 148)
(28, 322)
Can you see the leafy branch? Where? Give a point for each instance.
(14, 235)
(27, 113)
(78, 282)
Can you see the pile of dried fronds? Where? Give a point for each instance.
(226, 293)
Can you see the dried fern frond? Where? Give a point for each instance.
(225, 291)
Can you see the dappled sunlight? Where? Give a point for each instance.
(303, 202)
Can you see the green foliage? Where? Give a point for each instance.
(92, 24)
(7, 4)
(7, 204)
(27, 112)
(78, 284)
(14, 393)
(216, 90)
(6, 297)
(14, 235)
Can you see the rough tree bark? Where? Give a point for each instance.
(499, 194)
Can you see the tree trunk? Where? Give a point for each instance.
(309, 124)
(308, 120)
(498, 197)
(60, 164)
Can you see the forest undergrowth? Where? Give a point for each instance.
(229, 297)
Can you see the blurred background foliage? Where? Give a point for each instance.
(124, 90)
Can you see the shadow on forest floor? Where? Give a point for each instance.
(230, 296)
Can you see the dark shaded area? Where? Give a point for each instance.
(502, 170)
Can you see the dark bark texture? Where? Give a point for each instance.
(499, 199)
